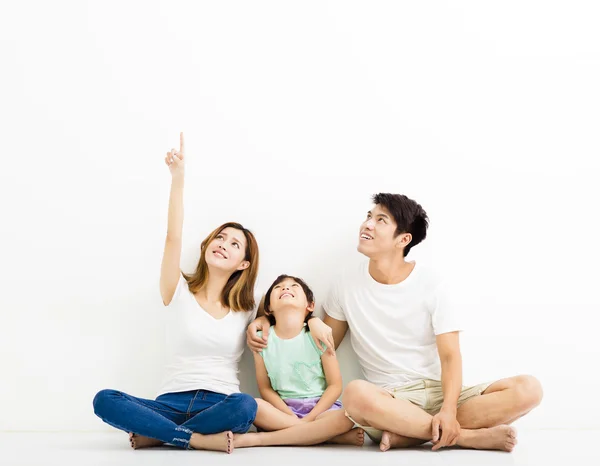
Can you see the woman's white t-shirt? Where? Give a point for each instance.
(393, 328)
(203, 353)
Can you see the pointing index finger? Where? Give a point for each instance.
(181, 144)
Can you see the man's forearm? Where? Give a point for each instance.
(451, 381)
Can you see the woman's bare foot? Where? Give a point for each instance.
(354, 436)
(502, 438)
(214, 442)
(139, 441)
(392, 440)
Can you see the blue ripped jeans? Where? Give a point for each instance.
(174, 417)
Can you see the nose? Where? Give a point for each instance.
(370, 224)
(222, 247)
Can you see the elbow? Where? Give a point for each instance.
(264, 392)
(173, 237)
(336, 389)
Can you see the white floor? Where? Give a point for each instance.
(574, 447)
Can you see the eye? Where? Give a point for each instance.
(237, 245)
(381, 219)
(295, 284)
(219, 236)
(276, 286)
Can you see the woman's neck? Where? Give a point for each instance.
(212, 291)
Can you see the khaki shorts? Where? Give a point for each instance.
(427, 395)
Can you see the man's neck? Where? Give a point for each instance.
(390, 271)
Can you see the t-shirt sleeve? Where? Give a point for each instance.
(332, 306)
(252, 314)
(182, 287)
(445, 317)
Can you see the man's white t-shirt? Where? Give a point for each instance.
(393, 327)
(203, 353)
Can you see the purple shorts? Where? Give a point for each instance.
(302, 406)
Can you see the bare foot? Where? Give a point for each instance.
(392, 440)
(215, 442)
(251, 439)
(502, 438)
(139, 441)
(354, 436)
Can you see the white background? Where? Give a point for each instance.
(295, 113)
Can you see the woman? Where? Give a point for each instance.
(199, 405)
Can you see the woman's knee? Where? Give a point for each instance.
(103, 399)
(244, 404)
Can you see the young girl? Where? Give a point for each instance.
(199, 405)
(298, 382)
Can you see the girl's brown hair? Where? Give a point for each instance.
(310, 297)
(238, 294)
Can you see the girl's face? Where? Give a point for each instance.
(287, 296)
(227, 251)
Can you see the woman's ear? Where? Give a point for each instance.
(311, 307)
(244, 265)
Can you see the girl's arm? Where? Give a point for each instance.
(264, 386)
(331, 368)
(170, 270)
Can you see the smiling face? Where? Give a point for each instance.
(376, 235)
(289, 294)
(227, 251)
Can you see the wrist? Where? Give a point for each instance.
(449, 408)
(311, 318)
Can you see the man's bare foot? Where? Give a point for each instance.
(392, 440)
(139, 441)
(251, 439)
(214, 442)
(502, 438)
(354, 436)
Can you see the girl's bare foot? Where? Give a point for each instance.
(354, 436)
(214, 442)
(392, 440)
(502, 438)
(139, 441)
(251, 439)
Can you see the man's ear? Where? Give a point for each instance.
(403, 240)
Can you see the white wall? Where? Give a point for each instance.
(295, 114)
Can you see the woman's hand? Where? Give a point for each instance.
(321, 332)
(175, 159)
(256, 343)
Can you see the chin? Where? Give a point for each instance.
(361, 248)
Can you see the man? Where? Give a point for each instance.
(405, 334)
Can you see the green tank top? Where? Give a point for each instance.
(294, 366)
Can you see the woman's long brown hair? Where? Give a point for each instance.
(238, 294)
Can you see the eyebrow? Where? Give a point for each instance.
(379, 215)
(234, 238)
